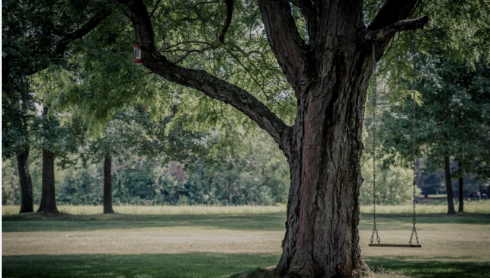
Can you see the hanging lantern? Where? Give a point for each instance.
(137, 54)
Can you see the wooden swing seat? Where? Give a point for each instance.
(395, 245)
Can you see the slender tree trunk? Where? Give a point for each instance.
(449, 187)
(461, 192)
(26, 198)
(108, 185)
(48, 200)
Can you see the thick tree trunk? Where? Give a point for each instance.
(461, 192)
(322, 237)
(449, 187)
(48, 200)
(107, 185)
(26, 198)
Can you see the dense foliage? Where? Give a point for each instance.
(452, 120)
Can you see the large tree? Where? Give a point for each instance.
(311, 57)
(329, 70)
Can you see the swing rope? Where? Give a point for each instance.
(375, 230)
(374, 103)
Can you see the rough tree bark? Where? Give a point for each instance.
(108, 184)
(460, 191)
(330, 75)
(449, 186)
(48, 200)
(26, 198)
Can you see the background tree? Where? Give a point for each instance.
(10, 181)
(453, 120)
(55, 142)
(128, 133)
(35, 35)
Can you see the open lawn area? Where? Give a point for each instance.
(190, 242)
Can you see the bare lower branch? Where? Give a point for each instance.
(203, 81)
(390, 30)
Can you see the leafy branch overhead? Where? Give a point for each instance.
(280, 26)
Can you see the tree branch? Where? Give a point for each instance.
(390, 30)
(203, 81)
(286, 43)
(392, 12)
(226, 25)
(392, 15)
(155, 8)
(87, 27)
(221, 36)
(261, 86)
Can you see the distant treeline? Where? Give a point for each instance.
(258, 177)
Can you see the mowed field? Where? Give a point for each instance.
(224, 241)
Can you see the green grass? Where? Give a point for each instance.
(143, 265)
(234, 241)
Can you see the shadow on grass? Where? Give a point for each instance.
(144, 265)
(33, 222)
(212, 265)
(447, 267)
(464, 218)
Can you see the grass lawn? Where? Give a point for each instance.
(221, 242)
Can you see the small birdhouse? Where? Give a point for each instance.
(137, 54)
